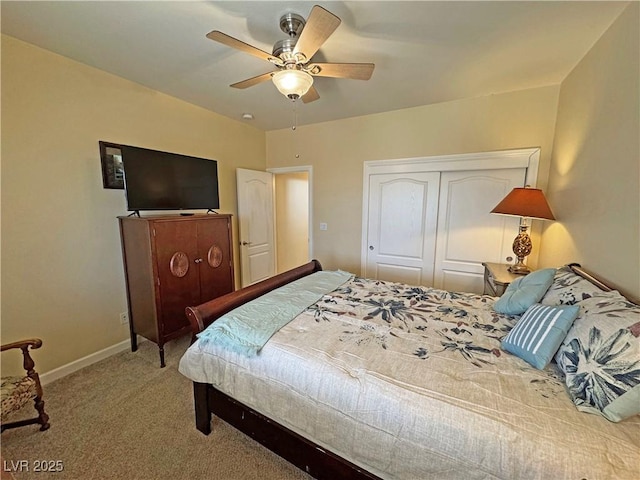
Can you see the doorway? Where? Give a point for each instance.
(274, 219)
(291, 219)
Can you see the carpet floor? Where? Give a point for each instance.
(126, 418)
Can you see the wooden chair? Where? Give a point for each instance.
(18, 391)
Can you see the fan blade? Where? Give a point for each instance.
(225, 39)
(320, 25)
(250, 82)
(311, 95)
(356, 71)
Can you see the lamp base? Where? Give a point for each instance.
(519, 269)
(522, 248)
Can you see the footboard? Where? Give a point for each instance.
(202, 316)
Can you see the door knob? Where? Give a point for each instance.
(245, 243)
(370, 247)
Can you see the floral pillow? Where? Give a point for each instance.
(569, 288)
(600, 357)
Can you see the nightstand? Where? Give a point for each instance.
(497, 278)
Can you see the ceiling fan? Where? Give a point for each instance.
(294, 77)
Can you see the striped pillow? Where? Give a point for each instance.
(539, 332)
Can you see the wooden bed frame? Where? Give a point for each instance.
(319, 462)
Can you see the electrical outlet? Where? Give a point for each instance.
(124, 318)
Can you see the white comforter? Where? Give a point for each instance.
(410, 383)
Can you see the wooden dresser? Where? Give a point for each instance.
(170, 263)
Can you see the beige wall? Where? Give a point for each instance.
(594, 178)
(337, 150)
(62, 274)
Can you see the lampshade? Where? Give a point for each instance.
(525, 202)
(292, 83)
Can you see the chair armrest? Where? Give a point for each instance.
(30, 342)
(28, 364)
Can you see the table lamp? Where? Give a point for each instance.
(524, 203)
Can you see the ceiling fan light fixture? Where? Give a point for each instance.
(292, 83)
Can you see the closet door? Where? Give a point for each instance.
(403, 209)
(467, 233)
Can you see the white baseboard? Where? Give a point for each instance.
(76, 365)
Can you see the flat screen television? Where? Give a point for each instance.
(168, 181)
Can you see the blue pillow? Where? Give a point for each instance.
(524, 292)
(539, 333)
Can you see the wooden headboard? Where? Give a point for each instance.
(578, 270)
(201, 316)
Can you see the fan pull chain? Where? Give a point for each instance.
(294, 128)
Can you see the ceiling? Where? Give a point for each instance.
(425, 51)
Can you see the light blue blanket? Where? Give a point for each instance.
(247, 328)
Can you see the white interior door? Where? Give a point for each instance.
(255, 224)
(403, 209)
(467, 233)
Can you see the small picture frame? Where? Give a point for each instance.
(112, 167)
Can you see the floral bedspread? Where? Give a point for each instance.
(461, 323)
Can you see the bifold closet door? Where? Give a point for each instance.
(468, 234)
(401, 231)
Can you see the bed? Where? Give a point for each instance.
(377, 379)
